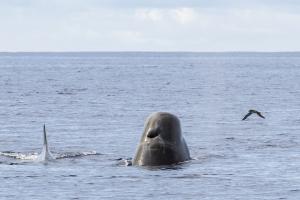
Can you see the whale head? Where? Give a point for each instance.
(162, 142)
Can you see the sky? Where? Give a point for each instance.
(149, 25)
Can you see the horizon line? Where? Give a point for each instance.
(149, 51)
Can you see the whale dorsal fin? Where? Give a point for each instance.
(45, 154)
(45, 138)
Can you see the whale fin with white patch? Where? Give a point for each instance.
(45, 154)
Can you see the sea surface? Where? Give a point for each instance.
(95, 105)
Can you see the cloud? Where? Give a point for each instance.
(184, 15)
(150, 14)
(180, 15)
(102, 25)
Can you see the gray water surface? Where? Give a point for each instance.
(98, 102)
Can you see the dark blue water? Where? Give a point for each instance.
(98, 102)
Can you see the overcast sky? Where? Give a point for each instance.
(149, 25)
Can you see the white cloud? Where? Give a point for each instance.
(80, 26)
(180, 15)
(149, 14)
(184, 15)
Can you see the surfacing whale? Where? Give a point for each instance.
(45, 154)
(162, 142)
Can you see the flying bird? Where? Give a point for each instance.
(250, 112)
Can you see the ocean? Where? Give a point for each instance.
(94, 106)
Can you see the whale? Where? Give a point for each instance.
(45, 155)
(162, 142)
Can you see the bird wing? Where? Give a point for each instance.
(259, 114)
(246, 116)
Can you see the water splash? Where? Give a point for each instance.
(35, 156)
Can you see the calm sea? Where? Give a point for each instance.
(94, 106)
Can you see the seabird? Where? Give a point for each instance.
(250, 112)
